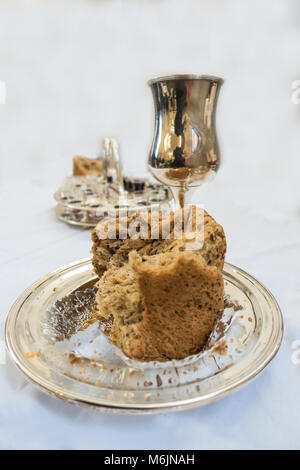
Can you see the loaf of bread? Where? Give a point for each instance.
(160, 297)
(83, 166)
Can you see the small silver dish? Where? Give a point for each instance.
(82, 200)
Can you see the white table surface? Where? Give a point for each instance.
(77, 71)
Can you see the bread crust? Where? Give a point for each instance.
(114, 252)
(83, 166)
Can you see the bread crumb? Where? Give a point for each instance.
(158, 380)
(74, 359)
(32, 355)
(221, 348)
(147, 384)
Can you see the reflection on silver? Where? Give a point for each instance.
(185, 150)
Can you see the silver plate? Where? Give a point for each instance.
(82, 367)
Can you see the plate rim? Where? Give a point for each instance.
(141, 408)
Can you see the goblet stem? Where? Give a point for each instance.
(183, 195)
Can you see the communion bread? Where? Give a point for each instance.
(83, 166)
(161, 298)
(115, 248)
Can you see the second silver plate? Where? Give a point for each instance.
(78, 365)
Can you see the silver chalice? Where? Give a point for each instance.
(184, 152)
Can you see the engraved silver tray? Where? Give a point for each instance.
(82, 200)
(45, 338)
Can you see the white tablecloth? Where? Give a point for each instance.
(75, 72)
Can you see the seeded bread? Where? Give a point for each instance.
(115, 248)
(161, 299)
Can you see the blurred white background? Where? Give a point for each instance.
(76, 71)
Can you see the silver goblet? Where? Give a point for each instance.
(184, 151)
